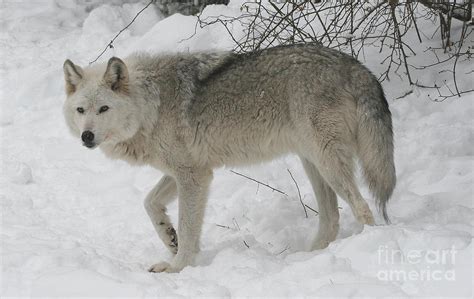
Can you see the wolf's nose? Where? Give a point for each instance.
(87, 136)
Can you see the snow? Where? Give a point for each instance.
(20, 173)
(73, 222)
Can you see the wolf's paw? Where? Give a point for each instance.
(320, 244)
(163, 267)
(169, 237)
(366, 218)
(364, 215)
(171, 240)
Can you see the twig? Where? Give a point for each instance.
(263, 184)
(247, 245)
(317, 213)
(461, 40)
(398, 36)
(274, 189)
(237, 226)
(299, 193)
(110, 44)
(223, 226)
(404, 95)
(285, 249)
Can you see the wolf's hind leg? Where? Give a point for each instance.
(336, 165)
(155, 204)
(327, 205)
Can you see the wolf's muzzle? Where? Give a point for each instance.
(88, 139)
(87, 136)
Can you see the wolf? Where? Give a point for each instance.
(188, 114)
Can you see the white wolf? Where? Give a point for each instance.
(188, 114)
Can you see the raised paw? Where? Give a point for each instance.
(162, 267)
(168, 235)
(173, 240)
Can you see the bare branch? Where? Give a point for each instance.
(317, 213)
(299, 193)
(405, 94)
(110, 44)
(223, 226)
(285, 249)
(352, 27)
(257, 181)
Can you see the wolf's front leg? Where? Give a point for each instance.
(155, 204)
(193, 186)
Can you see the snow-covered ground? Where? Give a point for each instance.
(73, 223)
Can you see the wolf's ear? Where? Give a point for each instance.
(116, 75)
(73, 75)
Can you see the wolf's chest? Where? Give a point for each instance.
(134, 152)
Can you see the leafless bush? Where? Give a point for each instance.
(354, 26)
(185, 7)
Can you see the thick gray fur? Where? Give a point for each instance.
(187, 114)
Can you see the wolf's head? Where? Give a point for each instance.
(99, 108)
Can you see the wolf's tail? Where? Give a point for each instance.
(375, 145)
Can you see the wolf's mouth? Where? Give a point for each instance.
(89, 145)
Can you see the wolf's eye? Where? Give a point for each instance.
(80, 110)
(103, 109)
